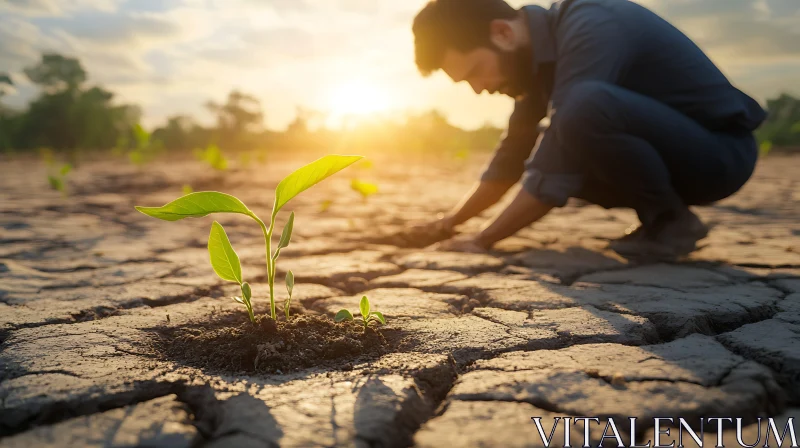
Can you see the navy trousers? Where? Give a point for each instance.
(632, 151)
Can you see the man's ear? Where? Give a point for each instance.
(501, 33)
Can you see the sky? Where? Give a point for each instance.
(172, 56)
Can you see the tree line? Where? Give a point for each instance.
(70, 114)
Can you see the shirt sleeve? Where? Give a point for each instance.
(592, 46)
(518, 141)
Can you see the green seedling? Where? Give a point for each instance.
(223, 257)
(213, 156)
(367, 317)
(187, 189)
(289, 289)
(765, 148)
(325, 205)
(58, 181)
(365, 189)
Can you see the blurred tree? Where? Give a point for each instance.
(66, 115)
(179, 133)
(782, 127)
(57, 73)
(237, 120)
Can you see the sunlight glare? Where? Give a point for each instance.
(358, 98)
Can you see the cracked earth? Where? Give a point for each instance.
(551, 323)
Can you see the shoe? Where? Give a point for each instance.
(666, 240)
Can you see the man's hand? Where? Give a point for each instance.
(426, 233)
(442, 224)
(462, 243)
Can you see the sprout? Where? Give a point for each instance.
(223, 258)
(367, 317)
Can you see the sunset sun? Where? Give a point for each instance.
(358, 98)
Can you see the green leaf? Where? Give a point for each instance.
(364, 307)
(196, 205)
(286, 236)
(223, 258)
(308, 176)
(343, 315)
(379, 316)
(56, 183)
(365, 189)
(65, 169)
(290, 283)
(247, 293)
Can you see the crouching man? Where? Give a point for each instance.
(616, 106)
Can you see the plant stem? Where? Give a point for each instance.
(250, 312)
(270, 268)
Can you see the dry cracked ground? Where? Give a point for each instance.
(551, 323)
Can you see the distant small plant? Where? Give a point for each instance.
(187, 189)
(58, 179)
(213, 156)
(145, 148)
(367, 317)
(224, 259)
(325, 205)
(365, 189)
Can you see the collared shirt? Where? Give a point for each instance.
(621, 43)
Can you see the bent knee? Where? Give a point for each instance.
(584, 110)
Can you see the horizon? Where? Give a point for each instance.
(170, 57)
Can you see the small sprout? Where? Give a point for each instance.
(325, 205)
(213, 157)
(289, 288)
(367, 317)
(365, 189)
(765, 148)
(56, 183)
(187, 189)
(223, 258)
(168, 321)
(343, 315)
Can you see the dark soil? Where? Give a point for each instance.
(231, 343)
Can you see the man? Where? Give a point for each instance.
(622, 108)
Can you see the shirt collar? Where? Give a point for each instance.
(542, 43)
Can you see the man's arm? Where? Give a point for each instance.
(482, 196)
(523, 211)
(507, 165)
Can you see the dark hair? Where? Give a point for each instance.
(461, 25)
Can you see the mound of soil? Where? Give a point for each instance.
(231, 343)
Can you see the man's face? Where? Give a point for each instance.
(490, 69)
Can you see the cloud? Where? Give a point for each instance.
(740, 31)
(37, 8)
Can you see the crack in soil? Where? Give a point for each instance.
(58, 411)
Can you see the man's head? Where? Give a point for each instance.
(482, 42)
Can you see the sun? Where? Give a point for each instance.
(358, 99)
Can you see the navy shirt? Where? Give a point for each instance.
(621, 43)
